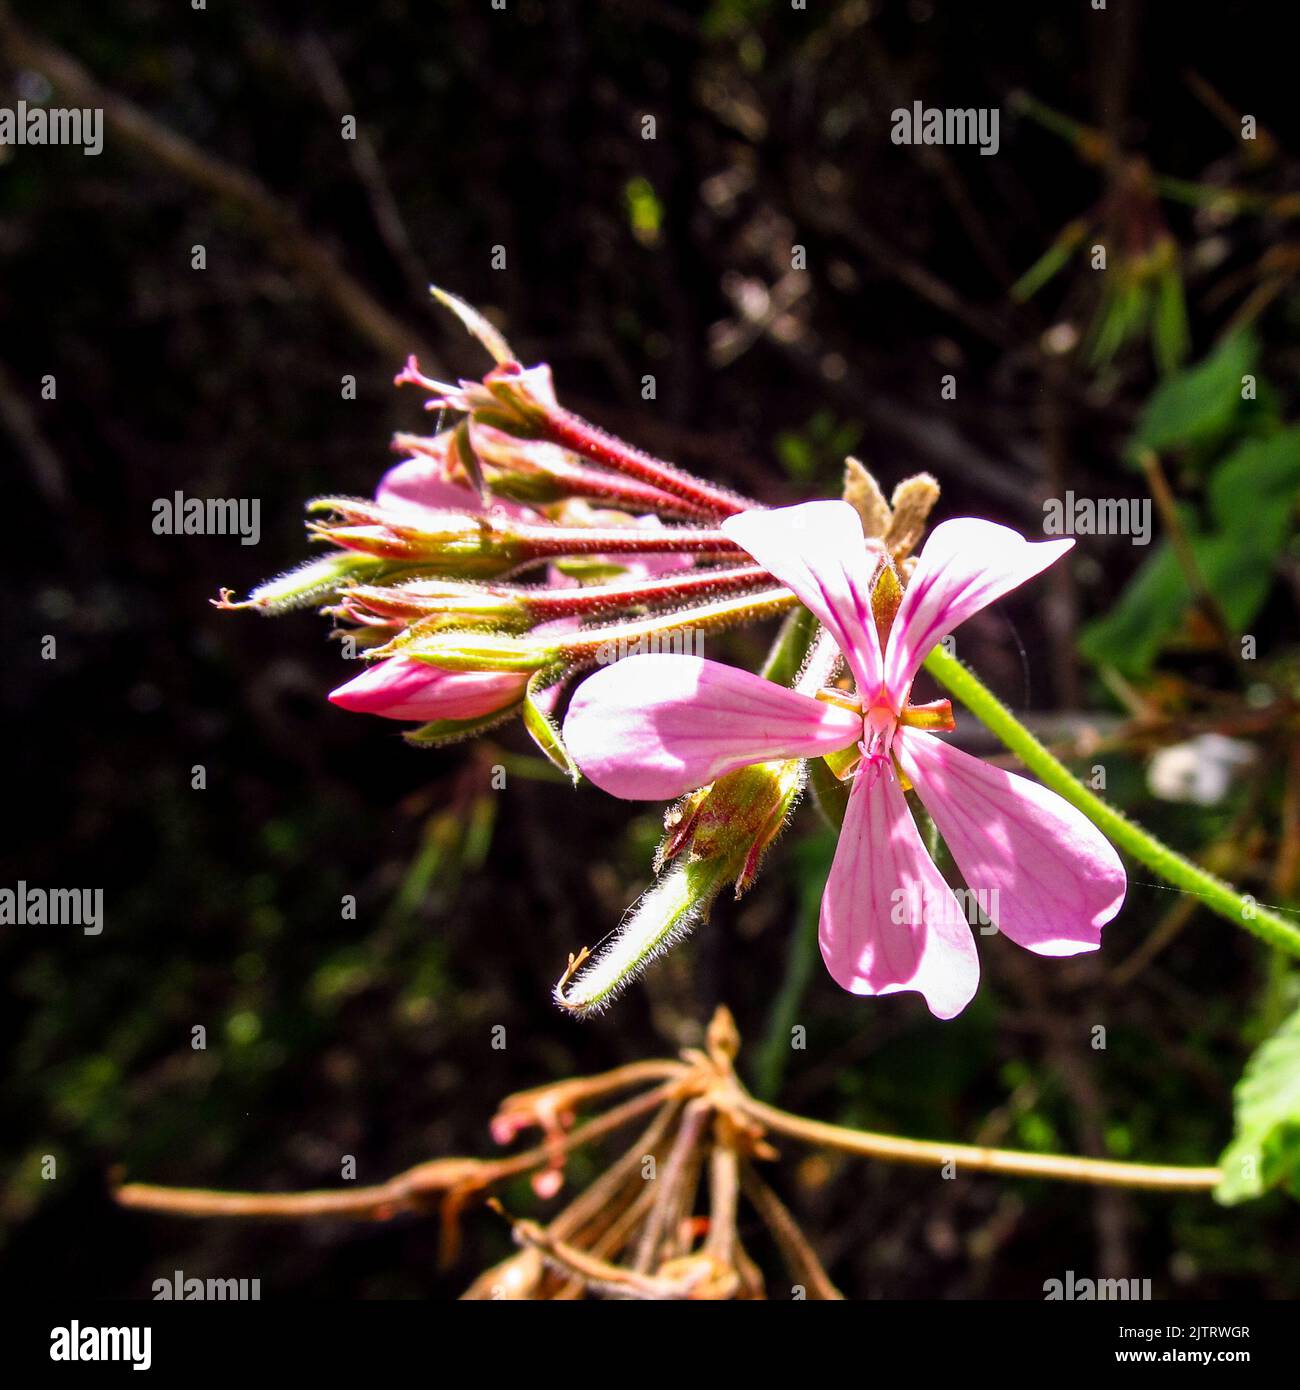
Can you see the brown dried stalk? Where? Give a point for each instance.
(637, 1231)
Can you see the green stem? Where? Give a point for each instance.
(1220, 897)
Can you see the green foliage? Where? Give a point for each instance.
(1201, 404)
(1170, 335)
(1250, 504)
(812, 866)
(645, 213)
(819, 448)
(1142, 298)
(1265, 1150)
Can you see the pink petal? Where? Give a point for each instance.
(419, 484)
(655, 726)
(1057, 878)
(653, 566)
(817, 549)
(964, 566)
(403, 689)
(881, 872)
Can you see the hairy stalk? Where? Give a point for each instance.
(541, 541)
(464, 649)
(820, 663)
(1181, 873)
(561, 426)
(560, 480)
(706, 617)
(603, 599)
(789, 648)
(508, 606)
(662, 916)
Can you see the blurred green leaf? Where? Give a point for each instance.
(1148, 611)
(1258, 485)
(1198, 404)
(644, 211)
(796, 456)
(1252, 501)
(1170, 333)
(1265, 1150)
(820, 447)
(1051, 262)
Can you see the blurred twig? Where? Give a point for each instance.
(277, 223)
(365, 161)
(19, 420)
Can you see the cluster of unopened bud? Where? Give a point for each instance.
(507, 553)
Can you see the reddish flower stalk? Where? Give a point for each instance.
(564, 478)
(596, 643)
(541, 542)
(563, 427)
(525, 604)
(460, 535)
(471, 650)
(522, 401)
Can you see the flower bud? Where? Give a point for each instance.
(734, 821)
(450, 602)
(309, 583)
(456, 543)
(400, 688)
(660, 918)
(717, 836)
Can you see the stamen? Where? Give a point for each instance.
(843, 698)
(937, 714)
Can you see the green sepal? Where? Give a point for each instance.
(468, 459)
(541, 727)
(476, 324)
(441, 732)
(588, 571)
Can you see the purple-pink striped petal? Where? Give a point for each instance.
(964, 566)
(817, 550)
(889, 922)
(1049, 878)
(655, 726)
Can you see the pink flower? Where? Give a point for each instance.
(657, 726)
(400, 688)
(420, 485)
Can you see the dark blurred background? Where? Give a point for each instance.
(625, 256)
